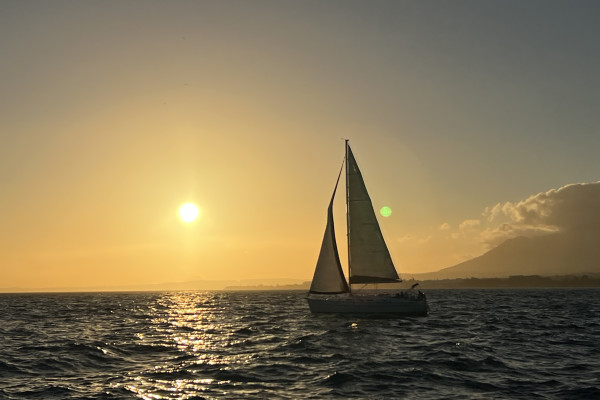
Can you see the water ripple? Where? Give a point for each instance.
(505, 344)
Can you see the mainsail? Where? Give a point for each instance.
(328, 277)
(369, 257)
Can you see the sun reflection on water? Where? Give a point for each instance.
(167, 389)
(192, 334)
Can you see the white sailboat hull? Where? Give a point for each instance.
(399, 304)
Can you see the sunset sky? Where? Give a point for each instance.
(469, 119)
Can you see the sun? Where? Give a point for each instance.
(188, 212)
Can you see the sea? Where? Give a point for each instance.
(474, 344)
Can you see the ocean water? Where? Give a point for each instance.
(480, 344)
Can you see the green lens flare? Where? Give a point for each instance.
(385, 211)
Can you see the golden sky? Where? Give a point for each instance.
(113, 114)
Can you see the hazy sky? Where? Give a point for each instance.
(114, 113)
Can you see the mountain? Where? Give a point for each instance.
(576, 251)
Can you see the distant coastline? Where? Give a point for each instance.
(517, 281)
(591, 280)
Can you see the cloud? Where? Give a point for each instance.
(444, 227)
(493, 236)
(565, 208)
(405, 238)
(555, 210)
(425, 239)
(469, 224)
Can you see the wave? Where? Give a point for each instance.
(476, 344)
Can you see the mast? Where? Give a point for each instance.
(348, 215)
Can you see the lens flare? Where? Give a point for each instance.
(385, 211)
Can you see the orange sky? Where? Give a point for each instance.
(113, 114)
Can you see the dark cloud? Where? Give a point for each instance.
(568, 207)
(565, 208)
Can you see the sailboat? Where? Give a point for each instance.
(369, 260)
